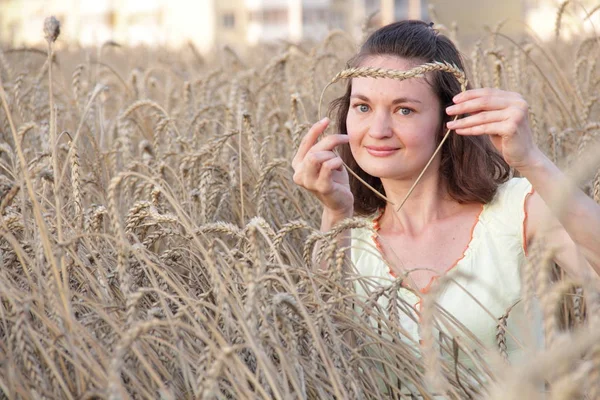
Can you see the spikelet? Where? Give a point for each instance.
(559, 15)
(51, 29)
(416, 72)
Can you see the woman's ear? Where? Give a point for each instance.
(445, 118)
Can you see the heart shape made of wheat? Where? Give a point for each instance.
(416, 72)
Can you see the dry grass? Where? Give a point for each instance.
(154, 245)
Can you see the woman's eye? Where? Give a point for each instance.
(363, 108)
(405, 111)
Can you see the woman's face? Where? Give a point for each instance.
(393, 125)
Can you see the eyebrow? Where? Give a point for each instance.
(395, 101)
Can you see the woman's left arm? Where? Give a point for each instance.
(504, 116)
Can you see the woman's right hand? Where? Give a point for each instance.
(318, 169)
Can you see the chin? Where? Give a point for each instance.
(394, 171)
(386, 173)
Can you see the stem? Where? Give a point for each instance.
(426, 166)
(57, 203)
(241, 176)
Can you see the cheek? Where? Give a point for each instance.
(350, 120)
(416, 139)
(351, 128)
(425, 136)
(353, 142)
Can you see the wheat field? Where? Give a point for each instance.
(153, 244)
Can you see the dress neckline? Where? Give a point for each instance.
(425, 289)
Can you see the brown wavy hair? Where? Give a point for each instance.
(471, 167)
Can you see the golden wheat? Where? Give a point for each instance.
(163, 250)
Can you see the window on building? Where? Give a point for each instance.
(229, 20)
(372, 5)
(315, 16)
(275, 16)
(306, 16)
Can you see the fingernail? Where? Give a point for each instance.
(450, 109)
(324, 120)
(450, 124)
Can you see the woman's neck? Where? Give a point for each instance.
(427, 203)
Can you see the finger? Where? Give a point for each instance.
(325, 182)
(482, 92)
(311, 137)
(330, 166)
(501, 128)
(485, 117)
(478, 104)
(309, 169)
(319, 157)
(330, 142)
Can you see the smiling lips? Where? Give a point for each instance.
(381, 151)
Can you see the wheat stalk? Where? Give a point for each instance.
(163, 292)
(559, 15)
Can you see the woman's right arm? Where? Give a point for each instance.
(319, 170)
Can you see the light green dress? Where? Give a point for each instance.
(485, 282)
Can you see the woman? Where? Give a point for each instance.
(466, 214)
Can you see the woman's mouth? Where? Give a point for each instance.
(383, 151)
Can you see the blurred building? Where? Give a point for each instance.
(211, 24)
(292, 20)
(206, 23)
(297, 20)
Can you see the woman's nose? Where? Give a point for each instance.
(381, 126)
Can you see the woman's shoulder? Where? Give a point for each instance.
(511, 193)
(507, 211)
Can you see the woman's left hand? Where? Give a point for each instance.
(500, 114)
